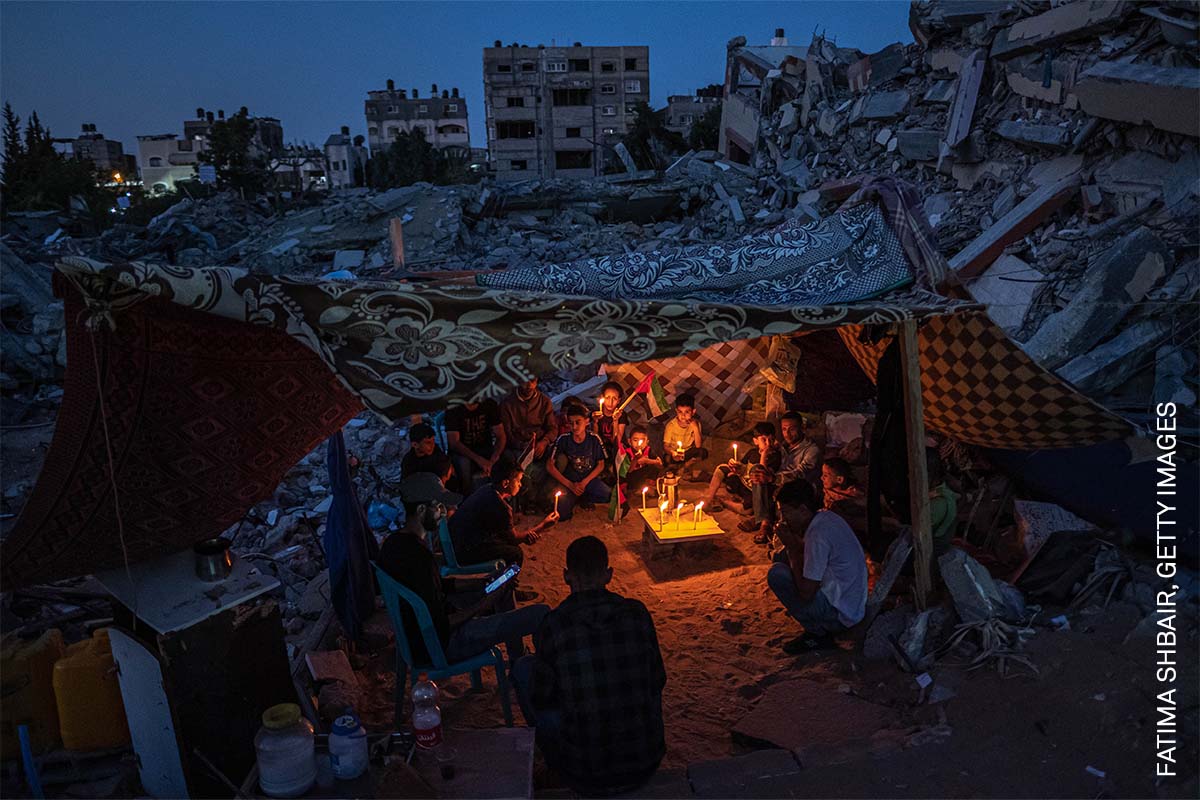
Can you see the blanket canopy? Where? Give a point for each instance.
(216, 381)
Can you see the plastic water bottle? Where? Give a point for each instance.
(426, 716)
(348, 747)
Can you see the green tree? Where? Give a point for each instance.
(706, 131)
(649, 141)
(38, 178)
(231, 151)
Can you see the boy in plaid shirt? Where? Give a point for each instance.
(594, 687)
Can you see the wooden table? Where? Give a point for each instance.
(667, 538)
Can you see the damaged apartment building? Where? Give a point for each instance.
(747, 70)
(558, 111)
(441, 117)
(164, 158)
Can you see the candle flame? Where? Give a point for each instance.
(558, 494)
(663, 507)
(700, 505)
(679, 506)
(645, 489)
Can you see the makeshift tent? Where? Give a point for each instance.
(206, 385)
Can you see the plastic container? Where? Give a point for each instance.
(348, 747)
(426, 716)
(27, 693)
(91, 715)
(285, 746)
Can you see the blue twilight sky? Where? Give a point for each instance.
(142, 68)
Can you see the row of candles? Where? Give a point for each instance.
(697, 512)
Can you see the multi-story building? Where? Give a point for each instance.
(441, 118)
(345, 160)
(108, 155)
(558, 111)
(684, 110)
(747, 69)
(268, 132)
(299, 169)
(164, 159)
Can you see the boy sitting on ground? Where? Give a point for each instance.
(734, 476)
(645, 465)
(682, 442)
(575, 463)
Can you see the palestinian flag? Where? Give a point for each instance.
(617, 498)
(656, 398)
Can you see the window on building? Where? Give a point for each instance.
(504, 68)
(631, 63)
(609, 131)
(574, 133)
(633, 86)
(608, 88)
(452, 129)
(518, 164)
(608, 111)
(688, 119)
(580, 65)
(451, 107)
(515, 129)
(608, 66)
(556, 66)
(391, 110)
(514, 102)
(155, 161)
(185, 145)
(372, 131)
(572, 97)
(573, 159)
(528, 66)
(422, 109)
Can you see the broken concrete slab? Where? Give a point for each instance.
(28, 284)
(1007, 287)
(1053, 170)
(1135, 173)
(975, 594)
(348, 259)
(1173, 365)
(958, 124)
(1109, 289)
(1027, 77)
(1028, 214)
(886, 105)
(1167, 98)
(1060, 24)
(844, 719)
(1048, 136)
(940, 93)
(919, 145)
(1112, 363)
(283, 247)
(626, 158)
(1037, 521)
(763, 773)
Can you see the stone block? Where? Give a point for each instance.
(1121, 278)
(976, 596)
(1167, 98)
(886, 105)
(919, 145)
(1049, 136)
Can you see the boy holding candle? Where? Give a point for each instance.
(575, 463)
(645, 465)
(682, 442)
(734, 476)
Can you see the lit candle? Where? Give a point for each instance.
(679, 447)
(644, 490)
(678, 508)
(662, 515)
(556, 496)
(735, 451)
(600, 402)
(699, 517)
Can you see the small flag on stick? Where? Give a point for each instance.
(656, 398)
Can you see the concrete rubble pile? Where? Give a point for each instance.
(1055, 147)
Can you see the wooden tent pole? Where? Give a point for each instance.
(918, 470)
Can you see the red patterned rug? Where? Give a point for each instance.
(205, 416)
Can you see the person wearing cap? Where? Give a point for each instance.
(467, 623)
(483, 528)
(425, 455)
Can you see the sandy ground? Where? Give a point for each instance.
(720, 629)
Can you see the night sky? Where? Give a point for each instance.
(142, 68)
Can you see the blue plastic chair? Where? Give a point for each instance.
(393, 594)
(452, 567)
